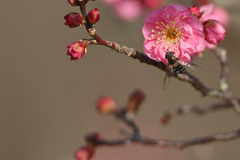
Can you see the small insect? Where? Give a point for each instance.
(175, 66)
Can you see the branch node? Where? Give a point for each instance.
(92, 32)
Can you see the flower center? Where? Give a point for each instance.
(167, 34)
(172, 34)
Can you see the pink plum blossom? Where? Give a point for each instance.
(172, 28)
(76, 50)
(130, 10)
(214, 31)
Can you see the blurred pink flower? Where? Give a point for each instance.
(152, 3)
(76, 50)
(216, 13)
(214, 31)
(130, 10)
(172, 28)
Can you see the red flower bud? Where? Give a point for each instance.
(106, 105)
(93, 16)
(135, 99)
(76, 50)
(84, 153)
(73, 2)
(93, 138)
(214, 32)
(74, 19)
(195, 11)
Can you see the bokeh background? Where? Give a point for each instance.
(47, 102)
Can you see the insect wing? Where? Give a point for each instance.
(167, 79)
(192, 66)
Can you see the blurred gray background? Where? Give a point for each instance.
(47, 102)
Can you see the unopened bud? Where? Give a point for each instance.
(84, 153)
(135, 99)
(93, 16)
(74, 19)
(214, 32)
(73, 2)
(93, 139)
(195, 11)
(106, 105)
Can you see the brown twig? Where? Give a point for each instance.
(197, 109)
(187, 77)
(164, 143)
(221, 55)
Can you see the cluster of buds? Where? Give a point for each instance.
(77, 49)
(213, 28)
(106, 105)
